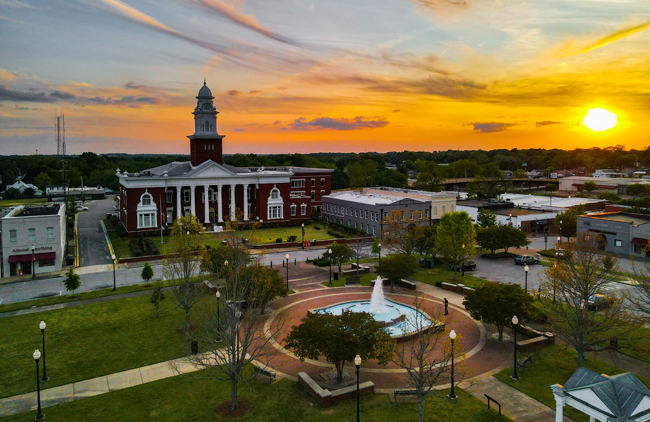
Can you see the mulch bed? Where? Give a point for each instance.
(224, 408)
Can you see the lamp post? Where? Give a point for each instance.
(39, 414)
(462, 265)
(545, 241)
(33, 262)
(218, 295)
(357, 362)
(452, 336)
(526, 283)
(329, 253)
(114, 283)
(42, 326)
(554, 282)
(303, 236)
(225, 276)
(287, 258)
(515, 321)
(379, 245)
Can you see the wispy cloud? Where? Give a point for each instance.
(56, 96)
(491, 127)
(334, 123)
(229, 12)
(547, 123)
(570, 48)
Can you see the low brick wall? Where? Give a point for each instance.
(456, 288)
(316, 243)
(401, 283)
(539, 339)
(326, 398)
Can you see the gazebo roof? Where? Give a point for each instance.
(622, 397)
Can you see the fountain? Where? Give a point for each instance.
(399, 320)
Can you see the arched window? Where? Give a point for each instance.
(435, 210)
(444, 209)
(275, 205)
(207, 126)
(145, 199)
(147, 212)
(275, 193)
(293, 210)
(303, 209)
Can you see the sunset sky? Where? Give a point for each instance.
(323, 76)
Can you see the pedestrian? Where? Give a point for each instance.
(446, 307)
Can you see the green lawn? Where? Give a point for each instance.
(80, 296)
(13, 202)
(444, 275)
(554, 365)
(88, 341)
(365, 281)
(189, 398)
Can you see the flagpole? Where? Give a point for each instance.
(161, 220)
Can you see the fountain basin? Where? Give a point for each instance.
(396, 318)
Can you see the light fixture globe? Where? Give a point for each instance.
(33, 248)
(357, 360)
(37, 354)
(452, 335)
(42, 325)
(515, 320)
(225, 262)
(286, 256)
(526, 268)
(379, 244)
(218, 294)
(329, 251)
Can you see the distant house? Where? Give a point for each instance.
(21, 187)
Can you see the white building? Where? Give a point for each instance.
(441, 202)
(33, 237)
(616, 185)
(21, 186)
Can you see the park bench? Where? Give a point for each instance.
(405, 392)
(266, 373)
(525, 361)
(363, 269)
(407, 284)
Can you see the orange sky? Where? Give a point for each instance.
(378, 75)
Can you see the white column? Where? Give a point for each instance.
(592, 419)
(559, 409)
(179, 205)
(193, 200)
(245, 202)
(232, 202)
(219, 204)
(206, 190)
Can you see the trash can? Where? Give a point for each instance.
(195, 347)
(336, 275)
(69, 260)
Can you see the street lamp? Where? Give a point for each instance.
(33, 262)
(462, 265)
(357, 362)
(329, 252)
(545, 241)
(114, 284)
(303, 236)
(42, 326)
(39, 414)
(526, 285)
(225, 275)
(218, 295)
(379, 245)
(287, 258)
(515, 321)
(554, 282)
(452, 336)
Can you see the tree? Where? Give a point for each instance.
(147, 272)
(567, 221)
(397, 267)
(340, 254)
(636, 189)
(486, 218)
(575, 280)
(375, 248)
(265, 284)
(339, 338)
(501, 237)
(157, 296)
(28, 193)
(396, 232)
(358, 249)
(421, 356)
(423, 239)
(71, 281)
(233, 331)
(456, 238)
(496, 303)
(430, 178)
(520, 174)
(183, 261)
(640, 294)
(11, 193)
(589, 187)
(42, 181)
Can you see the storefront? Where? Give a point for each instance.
(23, 262)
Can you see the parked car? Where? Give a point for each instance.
(526, 260)
(82, 208)
(598, 301)
(468, 265)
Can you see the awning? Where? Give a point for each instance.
(639, 241)
(37, 257)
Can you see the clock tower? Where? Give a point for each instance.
(205, 143)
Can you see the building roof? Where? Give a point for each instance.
(369, 199)
(204, 92)
(615, 180)
(431, 195)
(622, 396)
(623, 217)
(34, 211)
(294, 169)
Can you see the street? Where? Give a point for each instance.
(93, 249)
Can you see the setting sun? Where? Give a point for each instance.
(599, 119)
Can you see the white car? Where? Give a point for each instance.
(82, 208)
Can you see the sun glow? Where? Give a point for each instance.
(599, 119)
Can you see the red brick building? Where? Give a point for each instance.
(215, 192)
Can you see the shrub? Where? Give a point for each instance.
(498, 255)
(316, 227)
(321, 262)
(134, 245)
(549, 253)
(611, 197)
(292, 238)
(278, 240)
(608, 263)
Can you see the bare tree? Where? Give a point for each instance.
(586, 314)
(358, 248)
(183, 261)
(427, 357)
(639, 295)
(232, 330)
